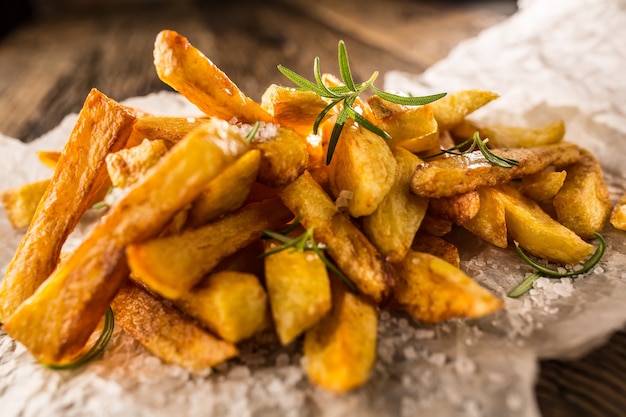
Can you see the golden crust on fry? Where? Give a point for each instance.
(618, 214)
(20, 203)
(183, 67)
(166, 332)
(462, 173)
(458, 209)
(102, 126)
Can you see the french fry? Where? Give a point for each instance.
(293, 107)
(432, 290)
(392, 226)
(521, 137)
(583, 204)
(363, 165)
(458, 209)
(226, 192)
(126, 166)
(57, 319)
(462, 173)
(233, 305)
(437, 246)
(543, 185)
(172, 265)
(166, 332)
(341, 349)
(538, 233)
(489, 222)
(170, 130)
(187, 70)
(102, 126)
(435, 226)
(299, 290)
(284, 154)
(353, 253)
(618, 214)
(453, 108)
(49, 158)
(20, 203)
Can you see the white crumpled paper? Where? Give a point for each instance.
(558, 59)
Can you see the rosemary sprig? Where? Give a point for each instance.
(345, 96)
(253, 130)
(542, 271)
(96, 349)
(305, 242)
(103, 204)
(476, 142)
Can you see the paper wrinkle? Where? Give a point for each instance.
(559, 59)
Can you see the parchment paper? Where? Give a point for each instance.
(558, 59)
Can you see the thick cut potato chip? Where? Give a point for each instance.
(538, 233)
(341, 349)
(126, 166)
(435, 226)
(543, 185)
(58, 318)
(20, 203)
(489, 222)
(462, 173)
(618, 214)
(227, 192)
(458, 209)
(583, 204)
(452, 109)
(184, 68)
(438, 247)
(293, 107)
(348, 247)
(170, 130)
(364, 166)
(166, 332)
(432, 290)
(231, 304)
(299, 290)
(172, 265)
(103, 126)
(520, 137)
(392, 226)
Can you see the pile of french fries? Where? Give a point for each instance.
(178, 256)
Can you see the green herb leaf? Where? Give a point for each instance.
(476, 142)
(96, 349)
(543, 271)
(346, 95)
(252, 133)
(305, 242)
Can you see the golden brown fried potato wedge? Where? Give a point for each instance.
(166, 332)
(392, 226)
(226, 192)
(293, 107)
(126, 166)
(353, 253)
(452, 109)
(233, 305)
(543, 185)
(489, 222)
(538, 233)
(49, 158)
(284, 154)
(341, 349)
(299, 290)
(521, 137)
(435, 226)
(438, 247)
(458, 209)
(432, 290)
(583, 204)
(172, 265)
(58, 318)
(363, 165)
(170, 130)
(462, 173)
(20, 203)
(103, 126)
(184, 68)
(618, 214)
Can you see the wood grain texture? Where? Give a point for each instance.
(49, 64)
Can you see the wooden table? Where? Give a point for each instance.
(49, 63)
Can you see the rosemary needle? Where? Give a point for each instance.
(476, 142)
